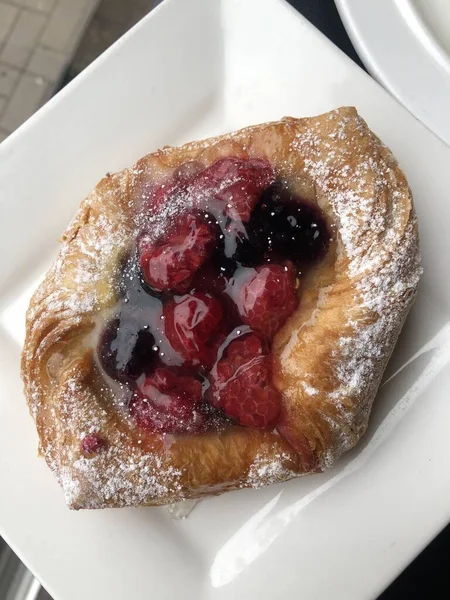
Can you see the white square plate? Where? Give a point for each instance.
(194, 68)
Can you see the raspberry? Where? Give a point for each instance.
(91, 444)
(268, 298)
(240, 384)
(236, 183)
(208, 279)
(156, 196)
(166, 380)
(170, 265)
(166, 402)
(191, 322)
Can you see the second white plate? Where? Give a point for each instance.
(405, 45)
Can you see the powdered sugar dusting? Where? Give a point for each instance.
(79, 280)
(266, 470)
(130, 482)
(118, 474)
(379, 240)
(310, 390)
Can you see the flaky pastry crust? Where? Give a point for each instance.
(329, 357)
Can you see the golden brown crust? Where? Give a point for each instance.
(329, 357)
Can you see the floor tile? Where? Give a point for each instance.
(45, 6)
(8, 15)
(123, 13)
(98, 37)
(8, 79)
(3, 135)
(21, 3)
(23, 38)
(43, 595)
(25, 100)
(66, 23)
(48, 63)
(112, 19)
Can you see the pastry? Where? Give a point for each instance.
(220, 315)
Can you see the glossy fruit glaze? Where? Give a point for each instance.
(201, 302)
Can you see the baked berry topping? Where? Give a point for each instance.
(267, 297)
(200, 304)
(212, 278)
(240, 384)
(156, 196)
(288, 227)
(191, 322)
(91, 444)
(171, 264)
(126, 349)
(166, 402)
(235, 183)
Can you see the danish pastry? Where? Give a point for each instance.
(220, 315)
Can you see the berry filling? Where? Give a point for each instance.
(127, 349)
(167, 402)
(191, 323)
(203, 293)
(266, 297)
(235, 184)
(240, 384)
(169, 266)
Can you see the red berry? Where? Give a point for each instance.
(155, 196)
(91, 443)
(191, 322)
(166, 379)
(240, 384)
(268, 298)
(169, 265)
(209, 279)
(236, 183)
(166, 402)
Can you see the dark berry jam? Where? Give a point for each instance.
(282, 225)
(201, 302)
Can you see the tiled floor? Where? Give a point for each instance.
(111, 20)
(37, 42)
